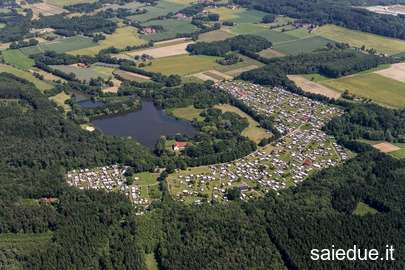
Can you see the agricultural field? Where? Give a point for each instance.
(271, 53)
(238, 15)
(236, 69)
(187, 113)
(121, 38)
(62, 3)
(171, 27)
(161, 9)
(41, 85)
(159, 52)
(17, 59)
(395, 72)
(314, 87)
(303, 45)
(216, 35)
(372, 86)
(254, 132)
(61, 45)
(60, 99)
(86, 74)
(45, 9)
(183, 64)
(131, 76)
(382, 44)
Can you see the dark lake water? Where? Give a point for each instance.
(145, 126)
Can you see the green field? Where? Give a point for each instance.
(188, 113)
(121, 38)
(171, 27)
(400, 154)
(62, 3)
(358, 39)
(61, 46)
(380, 89)
(41, 85)
(254, 132)
(60, 100)
(238, 15)
(183, 64)
(86, 74)
(214, 36)
(161, 9)
(151, 263)
(17, 59)
(363, 209)
(303, 45)
(145, 178)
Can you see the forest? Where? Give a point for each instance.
(249, 43)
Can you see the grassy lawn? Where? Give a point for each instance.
(145, 178)
(171, 27)
(41, 85)
(183, 64)
(121, 38)
(303, 45)
(18, 59)
(357, 39)
(60, 100)
(371, 86)
(254, 132)
(363, 209)
(188, 113)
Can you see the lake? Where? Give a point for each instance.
(146, 125)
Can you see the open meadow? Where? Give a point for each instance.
(171, 27)
(41, 85)
(62, 3)
(382, 44)
(187, 113)
(86, 74)
(254, 132)
(372, 86)
(183, 64)
(17, 59)
(395, 72)
(60, 100)
(166, 51)
(121, 38)
(61, 45)
(161, 9)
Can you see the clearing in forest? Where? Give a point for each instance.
(386, 147)
(254, 132)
